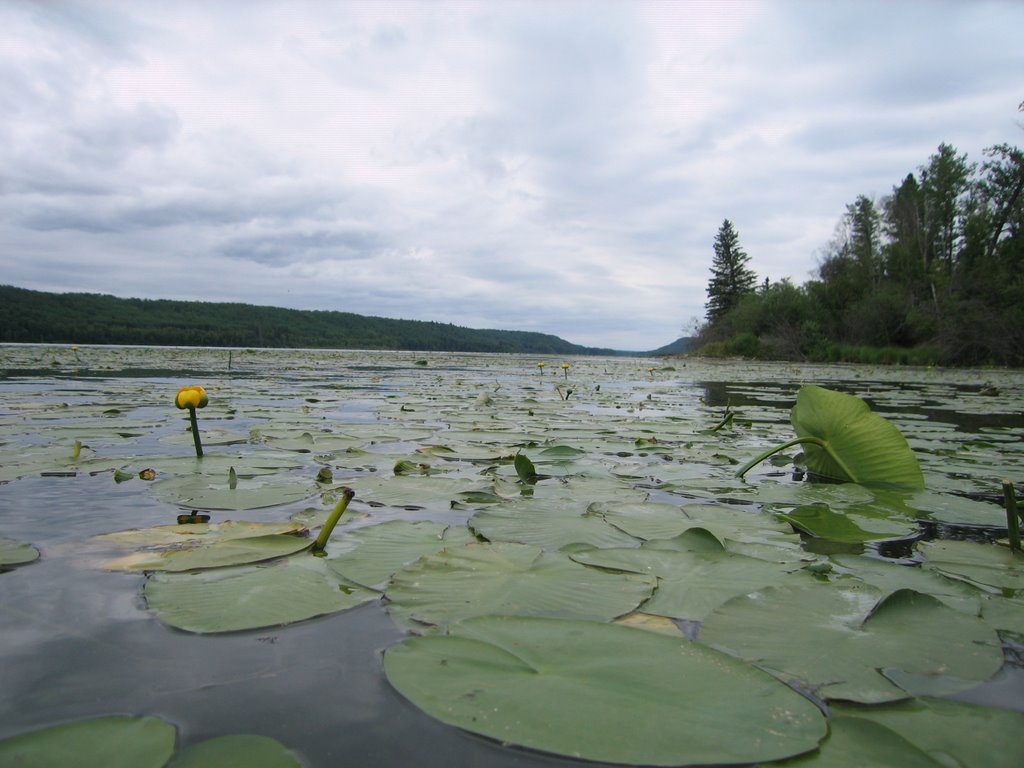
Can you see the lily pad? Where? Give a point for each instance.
(986, 566)
(206, 492)
(855, 743)
(548, 524)
(951, 732)
(369, 556)
(843, 440)
(249, 597)
(215, 553)
(15, 553)
(602, 692)
(841, 639)
(690, 584)
(237, 750)
(508, 579)
(105, 742)
(819, 521)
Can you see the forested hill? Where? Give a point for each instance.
(86, 318)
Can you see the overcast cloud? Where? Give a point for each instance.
(558, 166)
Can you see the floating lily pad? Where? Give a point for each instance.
(820, 521)
(214, 553)
(547, 524)
(951, 732)
(15, 553)
(690, 584)
(205, 492)
(248, 597)
(986, 566)
(508, 579)
(370, 555)
(840, 639)
(105, 742)
(855, 743)
(237, 750)
(602, 692)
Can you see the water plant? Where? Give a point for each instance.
(844, 440)
(192, 397)
(565, 370)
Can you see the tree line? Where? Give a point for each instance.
(84, 318)
(931, 273)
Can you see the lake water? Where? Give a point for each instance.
(77, 641)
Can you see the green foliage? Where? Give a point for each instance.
(935, 269)
(82, 318)
(731, 278)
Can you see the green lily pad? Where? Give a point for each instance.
(15, 553)
(548, 524)
(889, 577)
(105, 742)
(951, 732)
(855, 743)
(369, 556)
(843, 440)
(986, 566)
(215, 553)
(844, 642)
(237, 750)
(602, 692)
(249, 597)
(508, 579)
(819, 521)
(690, 584)
(205, 492)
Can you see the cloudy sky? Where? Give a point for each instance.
(558, 166)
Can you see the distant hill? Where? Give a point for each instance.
(87, 318)
(680, 346)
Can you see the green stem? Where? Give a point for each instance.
(347, 494)
(1012, 520)
(195, 432)
(797, 441)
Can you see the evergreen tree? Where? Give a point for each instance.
(731, 278)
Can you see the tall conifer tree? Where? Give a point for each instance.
(731, 278)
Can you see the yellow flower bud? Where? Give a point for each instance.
(191, 397)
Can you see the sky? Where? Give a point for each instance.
(559, 166)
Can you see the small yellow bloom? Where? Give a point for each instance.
(565, 366)
(191, 397)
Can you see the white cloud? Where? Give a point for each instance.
(559, 166)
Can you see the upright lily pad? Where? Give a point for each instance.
(847, 644)
(602, 692)
(508, 579)
(843, 440)
(105, 742)
(15, 553)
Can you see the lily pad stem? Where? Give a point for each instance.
(195, 432)
(789, 444)
(1012, 520)
(347, 494)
